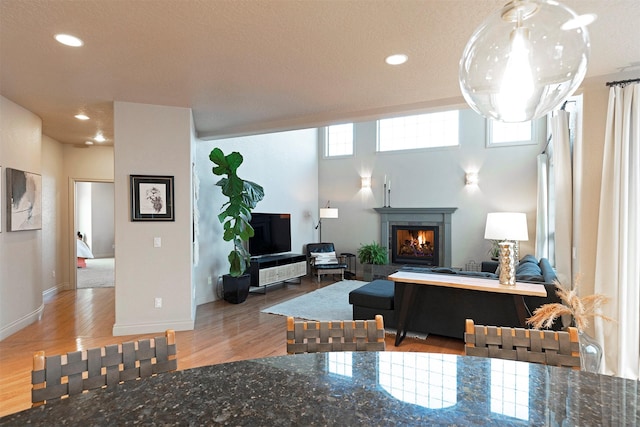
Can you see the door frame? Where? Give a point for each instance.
(73, 225)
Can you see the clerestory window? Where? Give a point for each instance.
(429, 130)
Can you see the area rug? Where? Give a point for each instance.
(328, 303)
(99, 273)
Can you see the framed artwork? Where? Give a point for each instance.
(24, 200)
(151, 198)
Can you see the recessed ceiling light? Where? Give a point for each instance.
(88, 143)
(100, 138)
(81, 117)
(396, 59)
(69, 40)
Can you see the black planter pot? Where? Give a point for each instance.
(236, 289)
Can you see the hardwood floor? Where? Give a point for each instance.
(76, 320)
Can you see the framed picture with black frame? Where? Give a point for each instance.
(152, 198)
(24, 200)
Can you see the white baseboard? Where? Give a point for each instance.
(23, 322)
(206, 300)
(150, 328)
(55, 289)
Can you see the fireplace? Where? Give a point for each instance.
(428, 231)
(415, 244)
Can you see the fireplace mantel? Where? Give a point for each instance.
(418, 216)
(415, 211)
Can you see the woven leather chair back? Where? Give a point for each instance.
(557, 348)
(100, 367)
(343, 335)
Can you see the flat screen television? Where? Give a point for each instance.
(272, 234)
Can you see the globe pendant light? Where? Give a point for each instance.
(524, 60)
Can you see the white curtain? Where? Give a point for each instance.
(563, 185)
(617, 272)
(542, 211)
(554, 224)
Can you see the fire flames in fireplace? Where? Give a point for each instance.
(415, 244)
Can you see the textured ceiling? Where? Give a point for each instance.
(258, 65)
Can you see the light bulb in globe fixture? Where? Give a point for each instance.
(517, 81)
(524, 60)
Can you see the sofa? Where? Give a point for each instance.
(442, 311)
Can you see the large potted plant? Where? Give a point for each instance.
(235, 217)
(370, 255)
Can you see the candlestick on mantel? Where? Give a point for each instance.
(384, 194)
(389, 193)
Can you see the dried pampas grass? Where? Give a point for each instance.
(579, 308)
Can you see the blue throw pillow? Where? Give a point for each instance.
(529, 259)
(528, 269)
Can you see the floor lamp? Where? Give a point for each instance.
(508, 228)
(326, 213)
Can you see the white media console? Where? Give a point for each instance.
(270, 269)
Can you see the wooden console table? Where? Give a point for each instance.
(460, 282)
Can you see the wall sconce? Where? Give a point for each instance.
(524, 60)
(365, 182)
(471, 178)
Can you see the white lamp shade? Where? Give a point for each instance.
(328, 213)
(524, 60)
(506, 226)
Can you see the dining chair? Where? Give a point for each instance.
(64, 375)
(557, 348)
(337, 335)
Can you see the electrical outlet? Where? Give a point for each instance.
(209, 280)
(53, 274)
(158, 302)
(157, 242)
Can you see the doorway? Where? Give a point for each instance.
(94, 234)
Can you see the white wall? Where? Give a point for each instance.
(83, 211)
(286, 165)
(20, 251)
(102, 227)
(53, 185)
(152, 140)
(430, 178)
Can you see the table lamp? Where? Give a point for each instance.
(508, 228)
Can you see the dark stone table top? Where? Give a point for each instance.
(346, 389)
